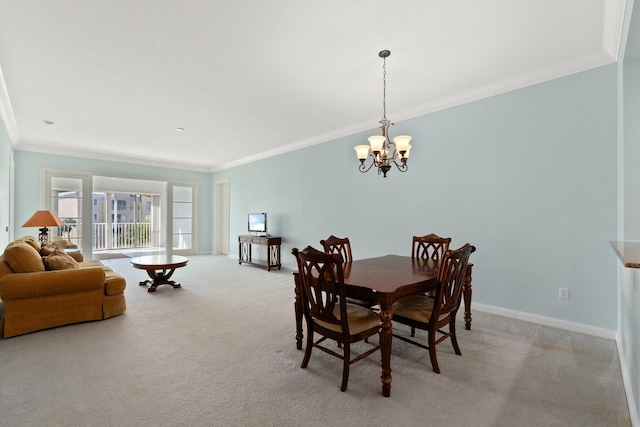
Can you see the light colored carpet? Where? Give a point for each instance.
(220, 351)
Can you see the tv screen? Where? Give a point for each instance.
(258, 222)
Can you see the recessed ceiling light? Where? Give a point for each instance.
(180, 129)
(48, 122)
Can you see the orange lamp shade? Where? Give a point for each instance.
(43, 219)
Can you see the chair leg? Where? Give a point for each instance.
(345, 367)
(432, 350)
(308, 348)
(454, 339)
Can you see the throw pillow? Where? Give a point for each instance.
(60, 260)
(22, 257)
(35, 243)
(48, 248)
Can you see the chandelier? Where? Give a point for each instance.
(380, 145)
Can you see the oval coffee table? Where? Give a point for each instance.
(160, 268)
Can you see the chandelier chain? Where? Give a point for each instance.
(384, 90)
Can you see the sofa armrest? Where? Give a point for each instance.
(28, 285)
(77, 255)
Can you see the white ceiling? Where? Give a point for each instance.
(249, 79)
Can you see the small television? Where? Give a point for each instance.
(257, 222)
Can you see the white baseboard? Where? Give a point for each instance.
(547, 321)
(633, 410)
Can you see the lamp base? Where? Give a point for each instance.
(44, 235)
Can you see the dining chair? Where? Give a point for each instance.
(430, 247)
(337, 245)
(342, 246)
(432, 313)
(326, 310)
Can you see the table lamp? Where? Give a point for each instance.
(43, 219)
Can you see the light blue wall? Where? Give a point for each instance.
(629, 297)
(529, 177)
(6, 154)
(30, 185)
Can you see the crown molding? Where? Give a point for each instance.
(6, 111)
(85, 154)
(612, 27)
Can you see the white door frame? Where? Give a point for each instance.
(86, 208)
(170, 218)
(221, 218)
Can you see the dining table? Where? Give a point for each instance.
(385, 280)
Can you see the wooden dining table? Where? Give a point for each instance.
(384, 279)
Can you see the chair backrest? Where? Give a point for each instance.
(451, 276)
(430, 247)
(322, 281)
(337, 245)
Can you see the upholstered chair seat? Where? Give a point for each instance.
(359, 318)
(417, 307)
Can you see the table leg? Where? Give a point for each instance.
(466, 292)
(268, 257)
(386, 337)
(159, 277)
(297, 305)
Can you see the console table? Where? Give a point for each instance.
(273, 250)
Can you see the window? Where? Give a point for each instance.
(120, 218)
(122, 205)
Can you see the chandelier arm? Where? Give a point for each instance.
(390, 146)
(403, 167)
(400, 163)
(363, 168)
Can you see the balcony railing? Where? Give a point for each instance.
(123, 235)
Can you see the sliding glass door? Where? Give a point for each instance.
(121, 220)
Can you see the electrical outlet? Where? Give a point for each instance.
(564, 293)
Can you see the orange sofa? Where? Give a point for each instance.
(43, 287)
